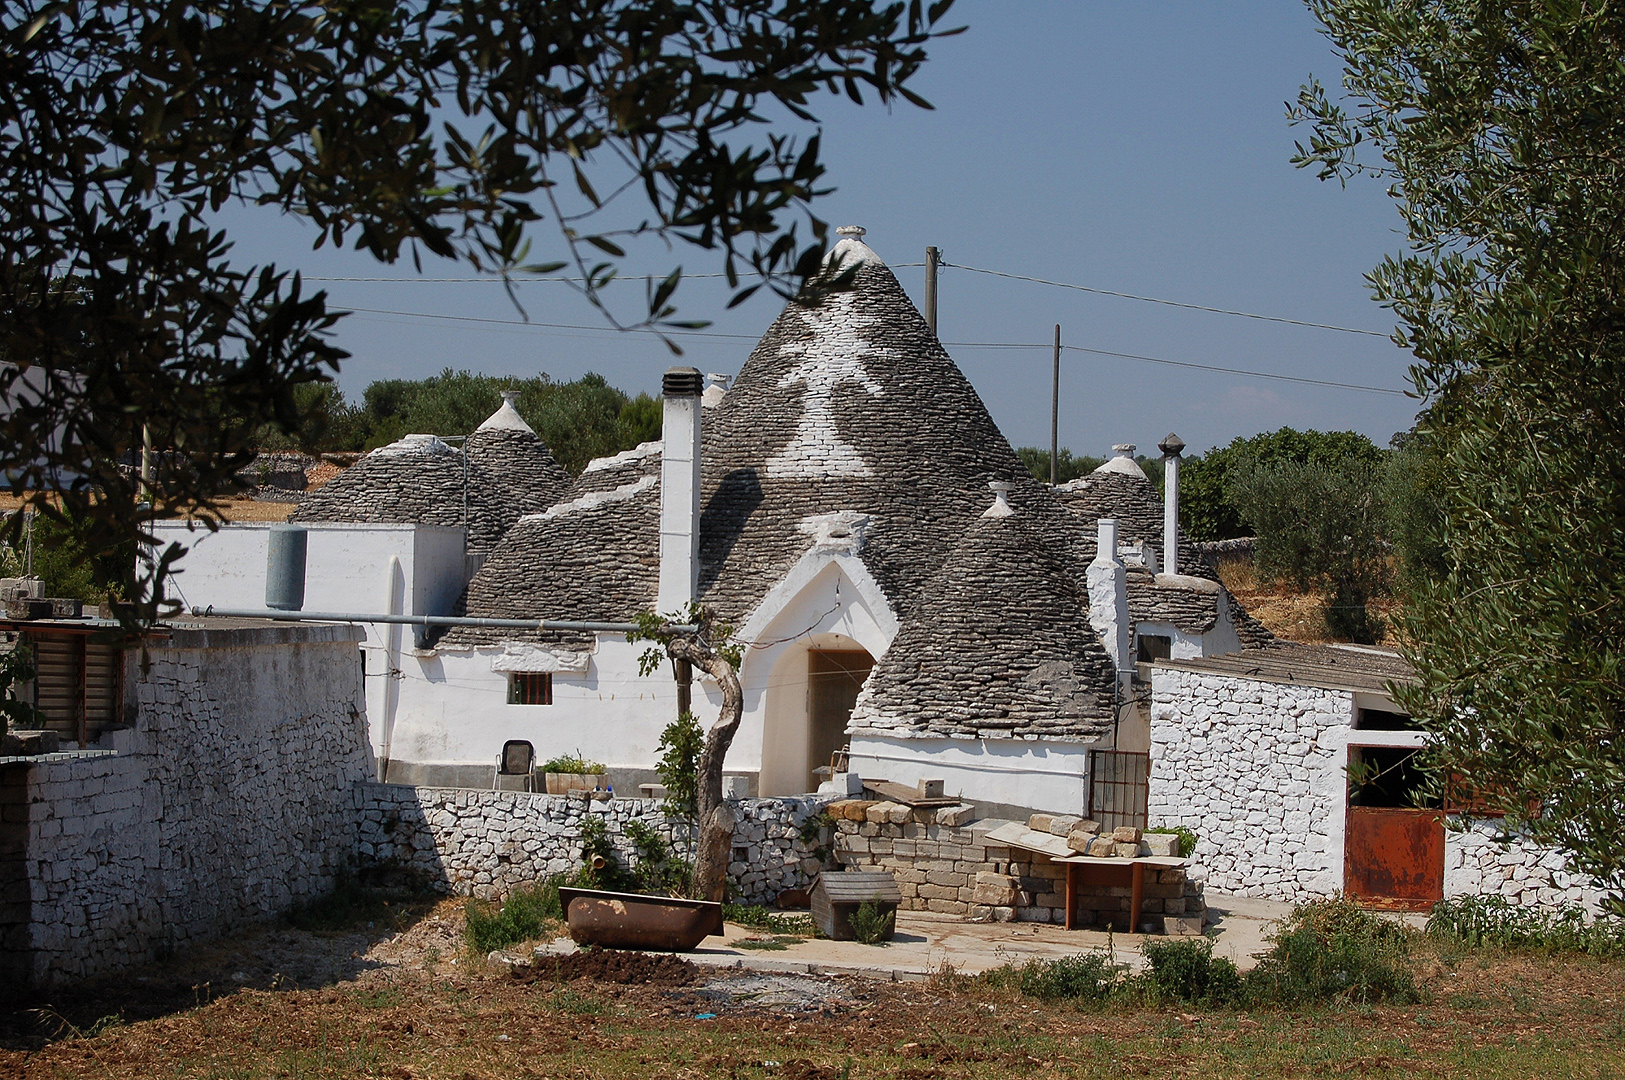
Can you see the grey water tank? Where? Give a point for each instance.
(285, 568)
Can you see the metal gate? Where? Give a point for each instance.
(1119, 788)
(1393, 857)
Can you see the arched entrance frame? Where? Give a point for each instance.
(826, 602)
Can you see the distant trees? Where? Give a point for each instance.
(1070, 466)
(579, 420)
(1207, 507)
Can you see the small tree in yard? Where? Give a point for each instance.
(708, 646)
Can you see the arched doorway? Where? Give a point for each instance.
(811, 691)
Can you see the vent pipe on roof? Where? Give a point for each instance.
(1171, 448)
(285, 568)
(679, 490)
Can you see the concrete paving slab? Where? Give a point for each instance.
(926, 943)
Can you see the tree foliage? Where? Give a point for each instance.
(1069, 466)
(1500, 130)
(1207, 510)
(438, 128)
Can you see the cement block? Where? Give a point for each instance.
(1079, 841)
(880, 813)
(1161, 844)
(1128, 834)
(956, 816)
(1040, 822)
(1102, 847)
(1126, 851)
(1182, 926)
(1062, 824)
(995, 889)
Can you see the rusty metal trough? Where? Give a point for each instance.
(614, 920)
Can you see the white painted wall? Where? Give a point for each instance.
(388, 569)
(1257, 770)
(1038, 775)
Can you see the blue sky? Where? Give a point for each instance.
(1137, 146)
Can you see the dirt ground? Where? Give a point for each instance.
(401, 999)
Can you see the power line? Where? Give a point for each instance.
(1168, 303)
(518, 279)
(519, 325)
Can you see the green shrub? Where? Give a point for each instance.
(657, 867)
(1187, 838)
(767, 921)
(1085, 977)
(600, 862)
(678, 765)
(1492, 921)
(872, 924)
(572, 763)
(1331, 950)
(1185, 970)
(529, 912)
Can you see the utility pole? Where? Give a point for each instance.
(1055, 415)
(933, 257)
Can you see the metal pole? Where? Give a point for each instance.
(146, 463)
(1055, 415)
(932, 258)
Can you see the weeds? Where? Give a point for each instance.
(1185, 970)
(529, 912)
(1333, 951)
(872, 924)
(1087, 977)
(766, 921)
(1480, 921)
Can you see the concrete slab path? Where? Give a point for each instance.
(926, 943)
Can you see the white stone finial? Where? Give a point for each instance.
(1001, 507)
(1124, 449)
(856, 232)
(511, 397)
(507, 417)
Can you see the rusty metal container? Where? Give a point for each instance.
(614, 920)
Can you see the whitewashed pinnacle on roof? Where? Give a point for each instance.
(1122, 461)
(506, 418)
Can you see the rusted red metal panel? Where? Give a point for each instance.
(1394, 858)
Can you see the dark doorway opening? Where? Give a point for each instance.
(834, 678)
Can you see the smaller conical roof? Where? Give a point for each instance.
(998, 645)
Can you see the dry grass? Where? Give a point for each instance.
(1485, 1015)
(1288, 613)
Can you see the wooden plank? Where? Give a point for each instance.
(902, 793)
(1136, 898)
(855, 887)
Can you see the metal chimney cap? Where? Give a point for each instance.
(1172, 446)
(856, 232)
(682, 382)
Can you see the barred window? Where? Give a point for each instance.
(530, 688)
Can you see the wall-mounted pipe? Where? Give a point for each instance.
(430, 620)
(285, 568)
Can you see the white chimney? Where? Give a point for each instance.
(1108, 596)
(717, 385)
(1001, 507)
(679, 490)
(1171, 448)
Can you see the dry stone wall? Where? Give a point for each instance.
(226, 804)
(484, 843)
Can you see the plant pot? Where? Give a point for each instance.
(560, 783)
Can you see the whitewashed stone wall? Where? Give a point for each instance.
(1257, 770)
(484, 843)
(226, 804)
(1478, 861)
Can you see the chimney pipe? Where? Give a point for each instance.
(285, 568)
(1171, 448)
(679, 490)
(1108, 596)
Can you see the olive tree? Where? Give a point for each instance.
(1499, 130)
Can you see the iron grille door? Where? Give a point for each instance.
(1119, 788)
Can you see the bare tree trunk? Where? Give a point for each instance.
(715, 818)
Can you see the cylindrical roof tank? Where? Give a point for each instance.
(285, 568)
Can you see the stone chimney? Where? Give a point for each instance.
(1108, 597)
(679, 490)
(1171, 448)
(717, 385)
(1001, 500)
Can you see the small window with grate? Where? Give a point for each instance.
(530, 688)
(1153, 647)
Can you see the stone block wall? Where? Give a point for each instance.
(226, 804)
(1257, 770)
(484, 843)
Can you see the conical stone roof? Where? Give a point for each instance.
(420, 480)
(998, 645)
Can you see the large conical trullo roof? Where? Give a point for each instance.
(848, 405)
(998, 645)
(502, 472)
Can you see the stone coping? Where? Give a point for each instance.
(55, 755)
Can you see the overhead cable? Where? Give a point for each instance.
(1167, 303)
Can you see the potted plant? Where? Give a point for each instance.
(568, 772)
